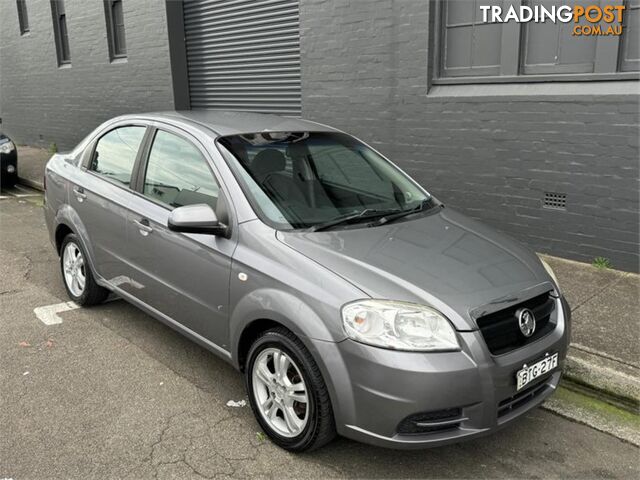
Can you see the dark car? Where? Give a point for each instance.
(8, 162)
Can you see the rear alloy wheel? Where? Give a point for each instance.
(76, 273)
(287, 392)
(73, 266)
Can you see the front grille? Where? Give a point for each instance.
(520, 399)
(431, 422)
(501, 331)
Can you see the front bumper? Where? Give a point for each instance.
(373, 390)
(8, 168)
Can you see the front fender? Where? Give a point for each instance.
(278, 306)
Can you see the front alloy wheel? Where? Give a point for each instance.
(280, 392)
(287, 392)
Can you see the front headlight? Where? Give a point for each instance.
(551, 274)
(7, 147)
(399, 326)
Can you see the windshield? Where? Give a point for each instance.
(315, 179)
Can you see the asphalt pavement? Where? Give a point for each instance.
(111, 393)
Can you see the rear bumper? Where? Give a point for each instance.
(374, 390)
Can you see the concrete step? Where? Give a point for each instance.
(611, 379)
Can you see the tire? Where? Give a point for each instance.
(9, 180)
(89, 293)
(316, 415)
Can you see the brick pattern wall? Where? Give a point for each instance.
(365, 69)
(43, 104)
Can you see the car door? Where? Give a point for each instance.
(100, 195)
(184, 276)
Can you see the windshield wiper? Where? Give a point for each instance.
(365, 214)
(423, 205)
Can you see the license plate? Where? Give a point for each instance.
(529, 373)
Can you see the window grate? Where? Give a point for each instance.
(556, 201)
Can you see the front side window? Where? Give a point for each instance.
(475, 47)
(23, 17)
(116, 152)
(313, 179)
(60, 31)
(115, 28)
(177, 173)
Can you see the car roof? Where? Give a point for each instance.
(232, 123)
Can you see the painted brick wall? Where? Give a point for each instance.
(43, 103)
(488, 151)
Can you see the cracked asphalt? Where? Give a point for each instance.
(112, 393)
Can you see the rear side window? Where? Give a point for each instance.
(116, 152)
(177, 173)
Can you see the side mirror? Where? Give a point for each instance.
(199, 218)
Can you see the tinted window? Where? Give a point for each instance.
(305, 179)
(116, 153)
(177, 173)
(347, 168)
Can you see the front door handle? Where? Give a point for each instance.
(143, 227)
(79, 193)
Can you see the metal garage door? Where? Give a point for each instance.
(244, 54)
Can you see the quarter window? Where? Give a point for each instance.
(177, 173)
(23, 17)
(60, 31)
(116, 152)
(115, 29)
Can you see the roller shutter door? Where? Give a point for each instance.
(244, 55)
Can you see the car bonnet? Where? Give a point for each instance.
(445, 260)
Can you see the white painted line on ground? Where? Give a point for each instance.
(22, 189)
(49, 313)
(27, 192)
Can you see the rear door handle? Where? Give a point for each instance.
(143, 227)
(79, 193)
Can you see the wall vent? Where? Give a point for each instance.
(556, 201)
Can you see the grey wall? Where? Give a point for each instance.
(43, 103)
(490, 151)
